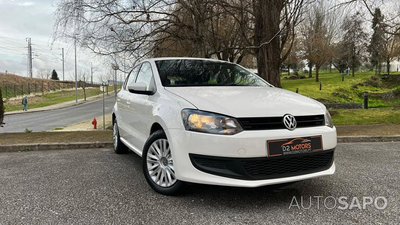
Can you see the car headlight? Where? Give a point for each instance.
(196, 120)
(328, 119)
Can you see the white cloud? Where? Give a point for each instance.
(26, 3)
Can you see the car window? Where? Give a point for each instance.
(191, 72)
(145, 75)
(131, 77)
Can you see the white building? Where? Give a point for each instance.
(394, 66)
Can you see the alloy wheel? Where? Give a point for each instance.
(160, 165)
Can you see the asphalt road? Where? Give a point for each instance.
(49, 120)
(99, 187)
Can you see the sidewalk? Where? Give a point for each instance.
(58, 106)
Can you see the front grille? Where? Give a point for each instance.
(272, 123)
(290, 166)
(264, 168)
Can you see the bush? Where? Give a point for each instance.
(396, 92)
(373, 81)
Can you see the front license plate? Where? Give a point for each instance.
(294, 146)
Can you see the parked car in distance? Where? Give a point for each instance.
(213, 122)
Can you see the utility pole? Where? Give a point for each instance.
(76, 75)
(62, 50)
(76, 14)
(29, 57)
(91, 73)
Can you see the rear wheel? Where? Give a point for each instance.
(158, 165)
(119, 147)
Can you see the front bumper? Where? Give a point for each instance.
(241, 160)
(264, 168)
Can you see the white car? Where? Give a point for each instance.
(214, 122)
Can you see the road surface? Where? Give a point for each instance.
(100, 187)
(49, 120)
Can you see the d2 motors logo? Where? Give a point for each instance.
(294, 146)
(297, 144)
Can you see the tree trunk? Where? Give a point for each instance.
(310, 65)
(268, 52)
(317, 73)
(388, 66)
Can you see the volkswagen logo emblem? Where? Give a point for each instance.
(289, 121)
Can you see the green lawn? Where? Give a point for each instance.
(366, 116)
(54, 98)
(334, 90)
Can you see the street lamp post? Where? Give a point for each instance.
(115, 67)
(104, 111)
(76, 75)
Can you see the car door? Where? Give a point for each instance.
(140, 108)
(123, 104)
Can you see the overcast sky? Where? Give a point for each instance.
(22, 19)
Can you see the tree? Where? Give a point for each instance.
(318, 33)
(393, 50)
(54, 75)
(294, 60)
(383, 46)
(2, 108)
(341, 58)
(377, 44)
(43, 74)
(113, 28)
(274, 23)
(210, 28)
(82, 78)
(354, 41)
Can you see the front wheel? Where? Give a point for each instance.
(158, 165)
(119, 147)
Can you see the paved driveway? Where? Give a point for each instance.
(100, 187)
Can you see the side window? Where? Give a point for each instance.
(131, 77)
(145, 75)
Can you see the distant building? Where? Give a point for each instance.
(394, 66)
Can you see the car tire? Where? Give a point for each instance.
(158, 167)
(119, 147)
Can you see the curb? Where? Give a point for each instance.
(54, 146)
(93, 145)
(349, 139)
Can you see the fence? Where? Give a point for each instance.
(14, 90)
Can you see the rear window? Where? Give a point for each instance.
(187, 72)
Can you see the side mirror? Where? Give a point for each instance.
(139, 88)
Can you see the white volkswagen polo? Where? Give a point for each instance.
(214, 122)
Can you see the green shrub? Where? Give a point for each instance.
(27, 130)
(396, 92)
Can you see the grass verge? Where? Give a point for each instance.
(366, 116)
(52, 98)
(55, 137)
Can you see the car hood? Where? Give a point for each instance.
(248, 101)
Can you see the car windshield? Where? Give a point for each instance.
(190, 72)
